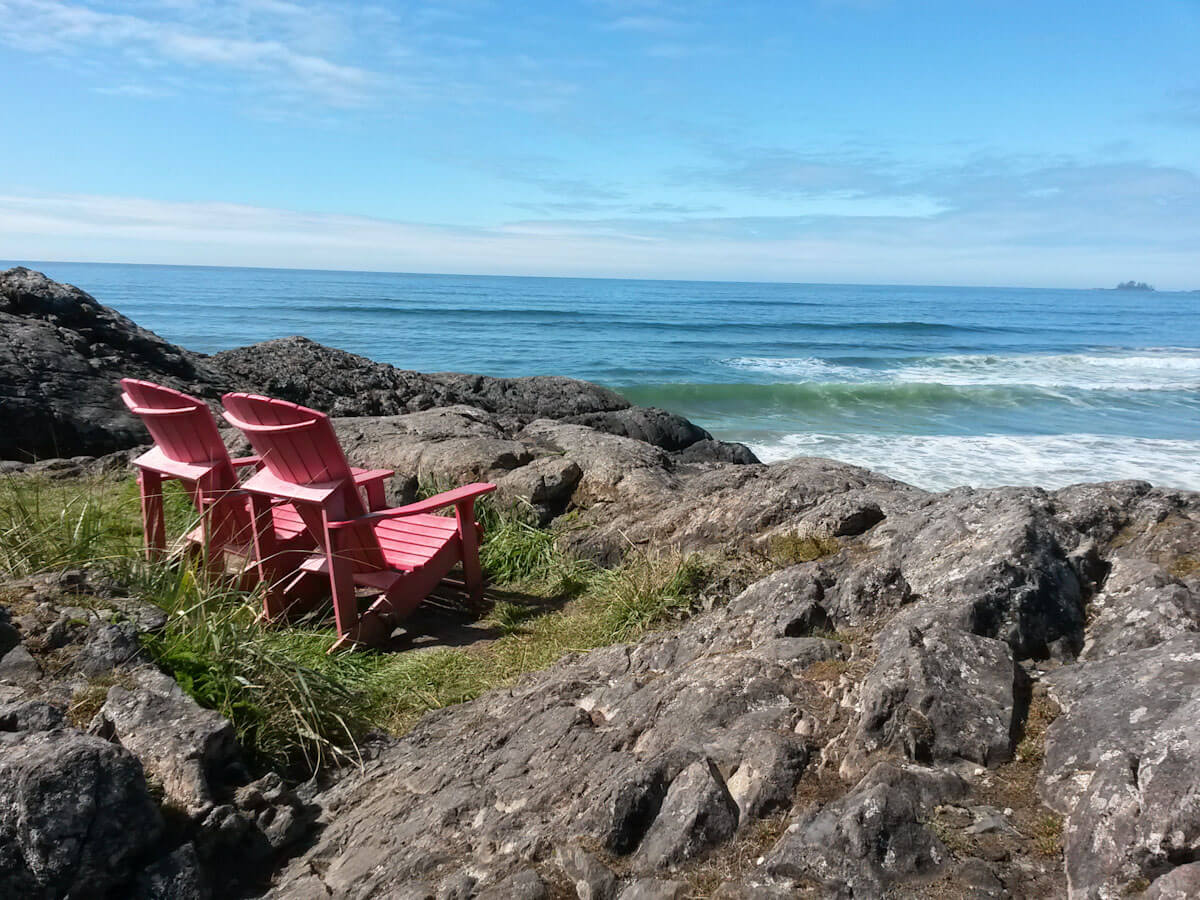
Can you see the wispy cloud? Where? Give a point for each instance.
(55, 27)
(1073, 225)
(645, 24)
(293, 55)
(140, 91)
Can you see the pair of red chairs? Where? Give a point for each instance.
(305, 518)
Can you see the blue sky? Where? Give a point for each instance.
(894, 141)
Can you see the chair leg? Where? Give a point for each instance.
(468, 533)
(153, 518)
(341, 585)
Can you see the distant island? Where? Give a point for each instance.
(1134, 286)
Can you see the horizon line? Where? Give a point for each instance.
(80, 262)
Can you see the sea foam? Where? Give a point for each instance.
(1146, 370)
(939, 462)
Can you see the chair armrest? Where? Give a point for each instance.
(239, 461)
(364, 476)
(438, 501)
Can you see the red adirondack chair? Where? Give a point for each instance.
(400, 553)
(188, 448)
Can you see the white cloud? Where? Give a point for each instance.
(949, 249)
(63, 28)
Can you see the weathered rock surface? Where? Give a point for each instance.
(75, 814)
(73, 631)
(889, 680)
(1122, 764)
(871, 838)
(182, 747)
(938, 694)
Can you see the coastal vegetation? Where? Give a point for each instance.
(293, 705)
(1134, 286)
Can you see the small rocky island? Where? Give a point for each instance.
(975, 693)
(1134, 286)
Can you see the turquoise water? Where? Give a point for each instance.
(935, 385)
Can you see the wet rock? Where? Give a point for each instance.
(183, 747)
(654, 426)
(75, 814)
(709, 451)
(696, 813)
(345, 384)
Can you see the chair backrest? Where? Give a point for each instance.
(182, 426)
(297, 444)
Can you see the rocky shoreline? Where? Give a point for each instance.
(975, 693)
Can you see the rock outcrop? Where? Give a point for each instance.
(61, 354)
(874, 703)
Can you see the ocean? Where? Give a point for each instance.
(937, 386)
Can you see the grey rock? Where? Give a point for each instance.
(1181, 883)
(183, 747)
(19, 668)
(107, 647)
(696, 813)
(146, 617)
(939, 694)
(710, 451)
(654, 426)
(177, 876)
(592, 879)
(9, 636)
(344, 384)
(1141, 605)
(991, 562)
(546, 484)
(75, 814)
(801, 652)
(1121, 764)
(653, 889)
(524, 885)
(61, 354)
(873, 837)
(766, 778)
(30, 715)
